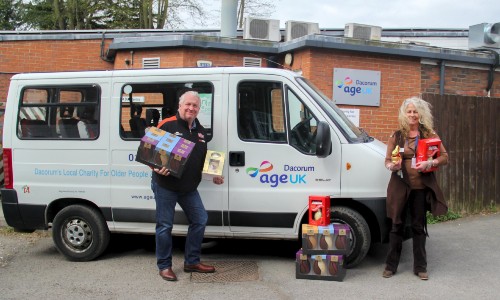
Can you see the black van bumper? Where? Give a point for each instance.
(23, 217)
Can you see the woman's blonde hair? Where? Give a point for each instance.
(426, 121)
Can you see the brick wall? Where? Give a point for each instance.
(401, 77)
(48, 56)
(459, 81)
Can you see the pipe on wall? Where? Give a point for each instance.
(441, 78)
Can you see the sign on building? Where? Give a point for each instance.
(356, 87)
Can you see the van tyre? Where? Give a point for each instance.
(360, 237)
(80, 233)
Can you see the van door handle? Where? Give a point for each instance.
(237, 158)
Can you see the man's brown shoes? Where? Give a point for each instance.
(168, 274)
(200, 268)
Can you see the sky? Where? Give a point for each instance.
(455, 14)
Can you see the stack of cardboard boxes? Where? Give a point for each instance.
(324, 245)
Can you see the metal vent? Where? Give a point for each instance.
(151, 63)
(484, 35)
(365, 32)
(262, 29)
(295, 29)
(252, 62)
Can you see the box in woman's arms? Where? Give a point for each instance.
(214, 164)
(428, 150)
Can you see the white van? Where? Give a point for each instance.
(70, 141)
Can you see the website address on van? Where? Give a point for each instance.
(143, 197)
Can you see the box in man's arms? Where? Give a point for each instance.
(159, 148)
(214, 164)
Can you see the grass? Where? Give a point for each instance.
(450, 215)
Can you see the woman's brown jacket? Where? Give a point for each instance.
(399, 189)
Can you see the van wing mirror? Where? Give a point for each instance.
(323, 140)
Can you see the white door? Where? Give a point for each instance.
(272, 167)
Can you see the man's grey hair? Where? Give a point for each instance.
(193, 93)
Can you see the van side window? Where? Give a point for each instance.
(59, 112)
(261, 112)
(303, 125)
(146, 104)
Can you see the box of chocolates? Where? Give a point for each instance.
(330, 239)
(319, 267)
(214, 164)
(428, 150)
(159, 148)
(164, 149)
(319, 210)
(179, 157)
(147, 148)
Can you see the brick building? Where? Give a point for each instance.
(406, 69)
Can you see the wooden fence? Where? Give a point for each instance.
(470, 130)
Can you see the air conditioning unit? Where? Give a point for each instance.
(365, 32)
(262, 29)
(295, 29)
(484, 35)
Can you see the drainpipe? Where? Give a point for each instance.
(493, 67)
(441, 79)
(103, 42)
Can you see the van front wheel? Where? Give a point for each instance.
(360, 236)
(80, 233)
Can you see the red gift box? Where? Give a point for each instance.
(319, 210)
(428, 150)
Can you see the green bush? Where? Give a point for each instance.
(450, 215)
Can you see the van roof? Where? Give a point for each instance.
(156, 72)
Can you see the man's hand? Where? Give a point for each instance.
(163, 171)
(218, 179)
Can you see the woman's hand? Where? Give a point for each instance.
(394, 166)
(218, 179)
(163, 171)
(423, 165)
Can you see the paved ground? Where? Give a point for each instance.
(463, 260)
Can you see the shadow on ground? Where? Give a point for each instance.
(121, 244)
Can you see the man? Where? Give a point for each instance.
(169, 190)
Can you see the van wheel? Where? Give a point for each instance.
(360, 236)
(80, 233)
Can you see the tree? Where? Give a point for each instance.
(256, 8)
(9, 14)
(110, 14)
(64, 15)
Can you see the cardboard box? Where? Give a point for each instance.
(164, 148)
(214, 164)
(319, 210)
(427, 150)
(147, 150)
(319, 267)
(331, 239)
(159, 148)
(179, 157)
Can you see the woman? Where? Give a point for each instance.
(411, 191)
